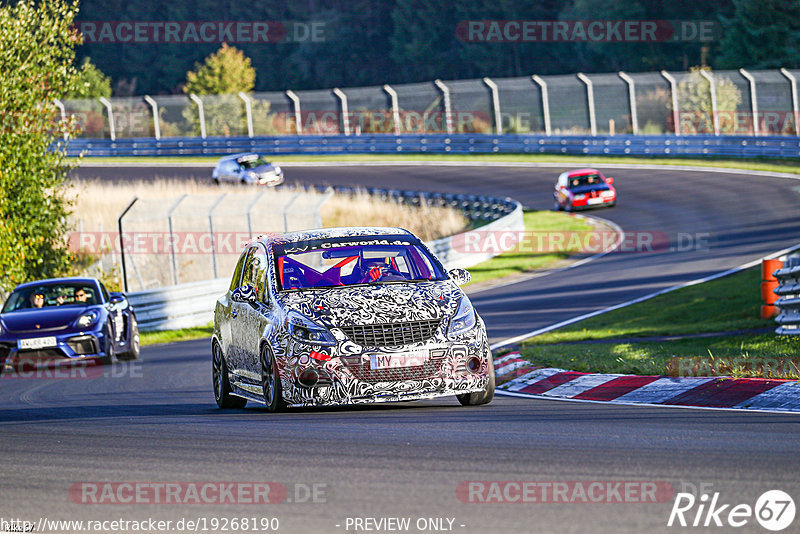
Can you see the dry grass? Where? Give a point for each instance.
(98, 204)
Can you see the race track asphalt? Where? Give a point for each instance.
(155, 420)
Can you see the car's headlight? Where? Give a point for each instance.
(277, 169)
(607, 194)
(87, 319)
(580, 196)
(304, 329)
(464, 320)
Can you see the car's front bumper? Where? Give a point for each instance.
(68, 346)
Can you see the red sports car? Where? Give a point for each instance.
(583, 189)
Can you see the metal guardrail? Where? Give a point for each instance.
(736, 146)
(192, 304)
(788, 304)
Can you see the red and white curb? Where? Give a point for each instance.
(518, 377)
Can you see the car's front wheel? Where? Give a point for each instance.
(222, 384)
(481, 397)
(133, 342)
(271, 381)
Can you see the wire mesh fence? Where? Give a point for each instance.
(696, 102)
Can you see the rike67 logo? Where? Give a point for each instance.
(774, 510)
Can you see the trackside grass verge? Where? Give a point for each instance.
(729, 304)
(758, 164)
(520, 262)
(171, 336)
(501, 266)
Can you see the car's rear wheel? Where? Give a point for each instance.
(133, 342)
(271, 381)
(481, 397)
(222, 384)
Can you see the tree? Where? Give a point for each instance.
(761, 34)
(36, 58)
(90, 82)
(224, 73)
(694, 101)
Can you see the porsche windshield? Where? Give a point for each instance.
(68, 294)
(311, 264)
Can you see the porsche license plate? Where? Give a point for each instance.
(37, 343)
(403, 359)
(596, 200)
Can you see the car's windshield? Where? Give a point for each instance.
(251, 162)
(51, 295)
(372, 260)
(584, 180)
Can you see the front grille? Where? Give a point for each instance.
(391, 334)
(40, 355)
(429, 369)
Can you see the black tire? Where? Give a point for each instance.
(222, 385)
(558, 207)
(133, 342)
(481, 397)
(271, 381)
(568, 208)
(108, 359)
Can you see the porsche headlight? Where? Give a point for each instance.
(464, 320)
(303, 329)
(87, 319)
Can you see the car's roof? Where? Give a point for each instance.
(48, 281)
(237, 156)
(329, 233)
(581, 172)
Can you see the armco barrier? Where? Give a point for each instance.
(789, 302)
(733, 146)
(192, 304)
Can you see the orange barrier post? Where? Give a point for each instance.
(768, 285)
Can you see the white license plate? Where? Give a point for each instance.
(595, 200)
(37, 342)
(405, 359)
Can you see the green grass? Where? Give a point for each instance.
(171, 336)
(514, 262)
(760, 164)
(731, 303)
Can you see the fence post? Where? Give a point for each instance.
(60, 105)
(201, 114)
(753, 100)
(286, 211)
(248, 109)
(318, 208)
(712, 88)
(590, 98)
(111, 128)
(632, 101)
(298, 118)
(345, 117)
(247, 213)
(173, 264)
(673, 88)
(211, 232)
(156, 121)
(545, 102)
(395, 107)
(122, 242)
(448, 111)
(795, 110)
(498, 119)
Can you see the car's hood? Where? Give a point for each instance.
(589, 188)
(373, 304)
(263, 169)
(43, 319)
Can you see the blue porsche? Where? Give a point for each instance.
(53, 320)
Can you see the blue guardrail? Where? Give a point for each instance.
(615, 145)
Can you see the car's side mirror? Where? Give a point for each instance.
(460, 276)
(116, 297)
(609, 180)
(245, 294)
